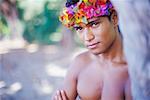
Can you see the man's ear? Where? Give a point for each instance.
(114, 18)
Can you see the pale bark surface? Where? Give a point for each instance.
(135, 26)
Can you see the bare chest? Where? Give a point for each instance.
(95, 83)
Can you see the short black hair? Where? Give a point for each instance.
(71, 2)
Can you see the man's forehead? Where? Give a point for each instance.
(93, 19)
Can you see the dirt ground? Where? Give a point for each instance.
(33, 72)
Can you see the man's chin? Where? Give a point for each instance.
(96, 52)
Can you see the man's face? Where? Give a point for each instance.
(98, 34)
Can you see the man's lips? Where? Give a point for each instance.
(93, 45)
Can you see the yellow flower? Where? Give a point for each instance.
(77, 19)
(85, 1)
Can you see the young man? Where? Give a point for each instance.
(101, 73)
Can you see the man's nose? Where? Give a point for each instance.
(88, 36)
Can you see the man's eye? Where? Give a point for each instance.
(95, 24)
(78, 28)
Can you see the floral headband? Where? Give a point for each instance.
(83, 10)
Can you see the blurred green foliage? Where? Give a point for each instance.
(4, 29)
(40, 26)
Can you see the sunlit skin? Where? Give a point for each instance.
(101, 73)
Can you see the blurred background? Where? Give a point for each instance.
(35, 49)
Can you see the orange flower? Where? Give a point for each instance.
(92, 1)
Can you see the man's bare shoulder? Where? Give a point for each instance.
(82, 59)
(79, 63)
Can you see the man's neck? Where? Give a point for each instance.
(114, 53)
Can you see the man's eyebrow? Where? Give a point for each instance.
(77, 26)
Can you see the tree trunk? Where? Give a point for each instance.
(134, 17)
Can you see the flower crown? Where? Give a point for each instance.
(83, 10)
